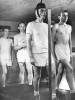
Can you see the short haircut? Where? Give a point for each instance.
(22, 23)
(5, 28)
(65, 11)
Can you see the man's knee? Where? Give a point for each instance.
(37, 72)
(4, 71)
(37, 77)
(69, 70)
(22, 70)
(53, 68)
(30, 71)
(29, 68)
(59, 71)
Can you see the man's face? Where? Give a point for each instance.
(64, 17)
(42, 13)
(6, 32)
(22, 27)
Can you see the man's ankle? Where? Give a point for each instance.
(36, 93)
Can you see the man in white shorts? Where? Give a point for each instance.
(22, 54)
(37, 44)
(6, 55)
(63, 48)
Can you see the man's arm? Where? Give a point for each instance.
(11, 50)
(54, 32)
(70, 41)
(29, 46)
(29, 33)
(54, 28)
(18, 47)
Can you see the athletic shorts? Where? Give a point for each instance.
(62, 52)
(41, 59)
(6, 62)
(23, 56)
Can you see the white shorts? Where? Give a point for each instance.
(23, 56)
(41, 59)
(6, 62)
(62, 52)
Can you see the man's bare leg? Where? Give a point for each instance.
(36, 80)
(7, 76)
(30, 73)
(69, 74)
(21, 74)
(4, 68)
(59, 75)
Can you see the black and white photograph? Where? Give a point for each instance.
(37, 50)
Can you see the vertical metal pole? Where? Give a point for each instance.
(49, 52)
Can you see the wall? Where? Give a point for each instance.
(13, 25)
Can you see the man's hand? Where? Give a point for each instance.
(32, 61)
(23, 45)
(71, 55)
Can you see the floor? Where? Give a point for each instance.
(22, 92)
(16, 91)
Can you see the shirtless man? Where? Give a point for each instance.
(63, 47)
(5, 49)
(22, 54)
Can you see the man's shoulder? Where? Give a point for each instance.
(30, 26)
(68, 25)
(10, 39)
(31, 23)
(55, 26)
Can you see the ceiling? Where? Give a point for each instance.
(23, 10)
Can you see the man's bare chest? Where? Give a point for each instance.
(63, 31)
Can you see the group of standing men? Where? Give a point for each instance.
(22, 54)
(32, 48)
